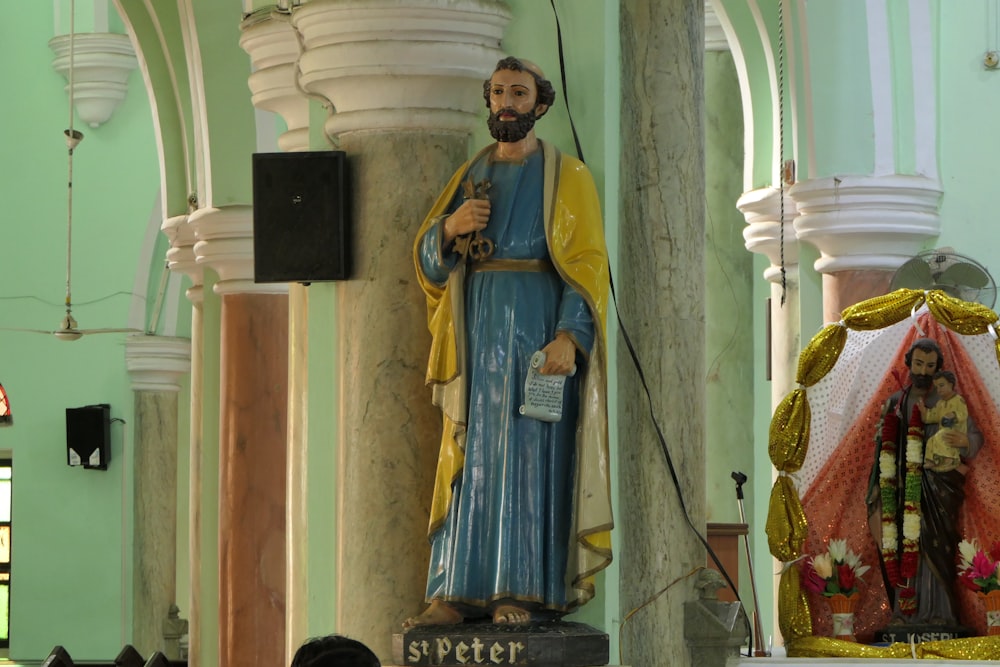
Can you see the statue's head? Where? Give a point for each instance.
(924, 359)
(517, 94)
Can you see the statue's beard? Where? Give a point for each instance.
(921, 381)
(509, 131)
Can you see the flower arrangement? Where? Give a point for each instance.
(836, 571)
(900, 556)
(978, 568)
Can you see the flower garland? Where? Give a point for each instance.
(901, 568)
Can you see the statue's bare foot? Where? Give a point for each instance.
(438, 613)
(508, 614)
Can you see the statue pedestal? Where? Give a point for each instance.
(555, 644)
(918, 632)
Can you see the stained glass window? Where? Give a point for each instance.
(5, 417)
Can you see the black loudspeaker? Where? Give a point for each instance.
(88, 436)
(301, 217)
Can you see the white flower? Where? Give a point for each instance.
(886, 465)
(853, 560)
(860, 571)
(838, 550)
(968, 550)
(889, 536)
(911, 526)
(823, 565)
(914, 450)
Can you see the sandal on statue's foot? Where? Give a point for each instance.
(438, 613)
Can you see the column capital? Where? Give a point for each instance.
(180, 255)
(715, 37)
(101, 65)
(273, 46)
(401, 64)
(225, 244)
(867, 222)
(765, 232)
(156, 363)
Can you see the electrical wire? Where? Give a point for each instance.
(648, 602)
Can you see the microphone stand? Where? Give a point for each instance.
(759, 650)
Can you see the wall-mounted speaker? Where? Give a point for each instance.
(88, 436)
(301, 217)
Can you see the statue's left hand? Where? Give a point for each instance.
(560, 356)
(956, 439)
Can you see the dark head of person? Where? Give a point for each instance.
(517, 129)
(924, 359)
(334, 651)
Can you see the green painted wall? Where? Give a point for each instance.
(968, 142)
(71, 542)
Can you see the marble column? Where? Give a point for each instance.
(253, 406)
(154, 364)
(181, 259)
(865, 227)
(272, 43)
(660, 285)
(406, 97)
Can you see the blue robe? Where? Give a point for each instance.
(508, 530)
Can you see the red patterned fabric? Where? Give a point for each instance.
(835, 503)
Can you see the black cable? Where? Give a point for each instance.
(562, 74)
(638, 366)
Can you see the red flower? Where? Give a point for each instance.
(908, 568)
(890, 427)
(967, 580)
(908, 600)
(811, 580)
(845, 577)
(982, 566)
(892, 571)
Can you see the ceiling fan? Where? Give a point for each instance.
(68, 328)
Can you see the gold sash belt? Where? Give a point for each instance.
(535, 265)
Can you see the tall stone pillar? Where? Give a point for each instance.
(155, 363)
(406, 98)
(272, 43)
(253, 406)
(181, 259)
(660, 281)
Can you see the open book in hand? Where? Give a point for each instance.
(543, 394)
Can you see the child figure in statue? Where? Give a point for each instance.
(950, 412)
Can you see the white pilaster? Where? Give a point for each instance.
(102, 63)
(770, 231)
(867, 222)
(180, 255)
(273, 46)
(411, 65)
(225, 244)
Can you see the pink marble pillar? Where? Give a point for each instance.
(845, 288)
(253, 415)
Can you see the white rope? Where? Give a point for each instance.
(70, 138)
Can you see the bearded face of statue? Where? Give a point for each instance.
(923, 365)
(507, 125)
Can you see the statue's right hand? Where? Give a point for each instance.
(471, 216)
